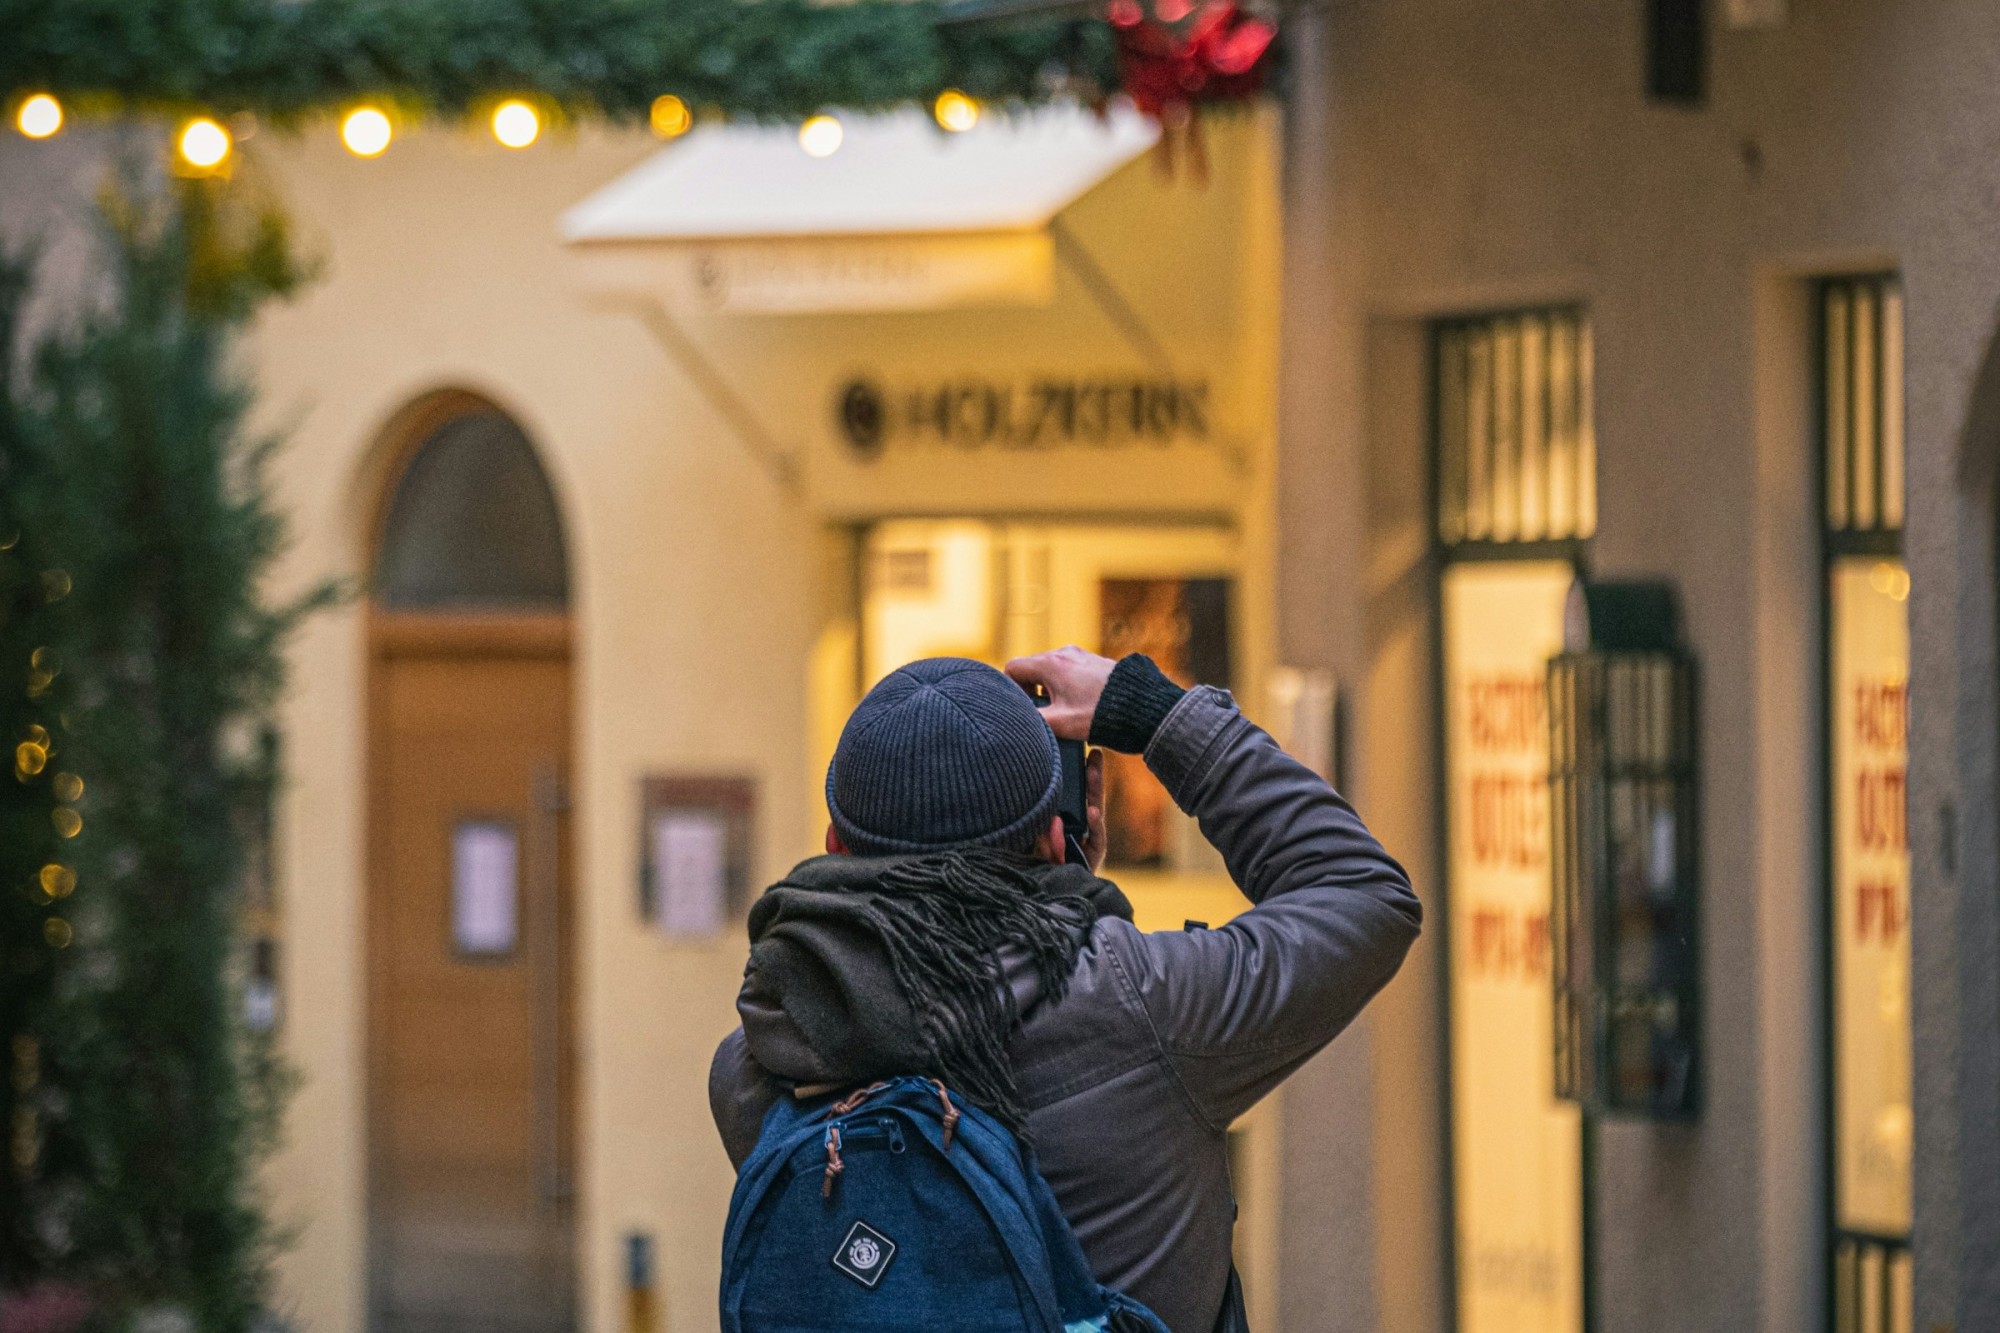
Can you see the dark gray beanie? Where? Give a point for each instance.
(945, 752)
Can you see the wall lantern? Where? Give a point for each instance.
(1624, 807)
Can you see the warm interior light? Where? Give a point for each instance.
(204, 143)
(516, 124)
(39, 116)
(671, 117)
(821, 136)
(955, 111)
(366, 132)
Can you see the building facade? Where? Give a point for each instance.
(1750, 238)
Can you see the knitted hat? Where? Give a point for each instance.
(944, 752)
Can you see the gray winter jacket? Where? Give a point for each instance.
(1164, 1038)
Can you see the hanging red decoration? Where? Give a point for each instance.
(1182, 56)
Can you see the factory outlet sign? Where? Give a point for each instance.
(1033, 412)
(1869, 705)
(1516, 1149)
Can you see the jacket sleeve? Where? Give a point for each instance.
(1238, 1008)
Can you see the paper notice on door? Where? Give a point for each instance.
(485, 887)
(690, 871)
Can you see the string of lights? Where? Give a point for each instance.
(522, 66)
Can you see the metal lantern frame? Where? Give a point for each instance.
(1624, 809)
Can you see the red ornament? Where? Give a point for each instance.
(1182, 56)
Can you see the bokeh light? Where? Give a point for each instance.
(39, 117)
(821, 136)
(955, 111)
(29, 759)
(671, 117)
(366, 131)
(204, 143)
(516, 124)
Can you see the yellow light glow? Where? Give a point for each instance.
(204, 143)
(57, 881)
(57, 932)
(955, 111)
(29, 759)
(39, 116)
(671, 117)
(366, 132)
(516, 124)
(1891, 580)
(68, 787)
(821, 136)
(67, 821)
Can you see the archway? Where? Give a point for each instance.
(471, 1071)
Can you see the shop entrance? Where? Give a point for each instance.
(471, 1086)
(995, 589)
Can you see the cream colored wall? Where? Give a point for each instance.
(705, 590)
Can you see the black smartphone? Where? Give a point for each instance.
(1070, 802)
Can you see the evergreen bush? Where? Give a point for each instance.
(139, 662)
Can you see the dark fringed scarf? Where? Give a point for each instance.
(893, 965)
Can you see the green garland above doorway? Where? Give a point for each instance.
(288, 60)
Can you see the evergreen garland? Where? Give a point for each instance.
(602, 58)
(136, 647)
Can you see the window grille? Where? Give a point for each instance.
(1516, 448)
(1861, 405)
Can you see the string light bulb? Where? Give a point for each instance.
(820, 136)
(516, 124)
(366, 131)
(671, 117)
(204, 143)
(955, 111)
(39, 116)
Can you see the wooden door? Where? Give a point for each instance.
(471, 1088)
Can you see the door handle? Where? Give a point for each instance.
(551, 800)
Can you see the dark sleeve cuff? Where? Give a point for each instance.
(1135, 701)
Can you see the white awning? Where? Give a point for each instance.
(895, 174)
(902, 217)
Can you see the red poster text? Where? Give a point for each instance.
(1507, 815)
(1505, 714)
(1506, 943)
(1881, 810)
(1882, 714)
(1879, 912)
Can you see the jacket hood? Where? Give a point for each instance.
(820, 1002)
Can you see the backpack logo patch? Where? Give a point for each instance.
(865, 1255)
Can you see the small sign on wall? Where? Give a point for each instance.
(695, 854)
(485, 887)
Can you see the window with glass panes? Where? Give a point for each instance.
(1515, 484)
(1867, 588)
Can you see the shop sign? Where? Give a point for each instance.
(814, 275)
(1869, 685)
(975, 412)
(1516, 1149)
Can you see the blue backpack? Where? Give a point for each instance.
(895, 1210)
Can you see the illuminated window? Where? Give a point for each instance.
(1860, 322)
(1512, 411)
(1516, 492)
(473, 524)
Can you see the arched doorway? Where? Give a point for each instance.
(471, 1079)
